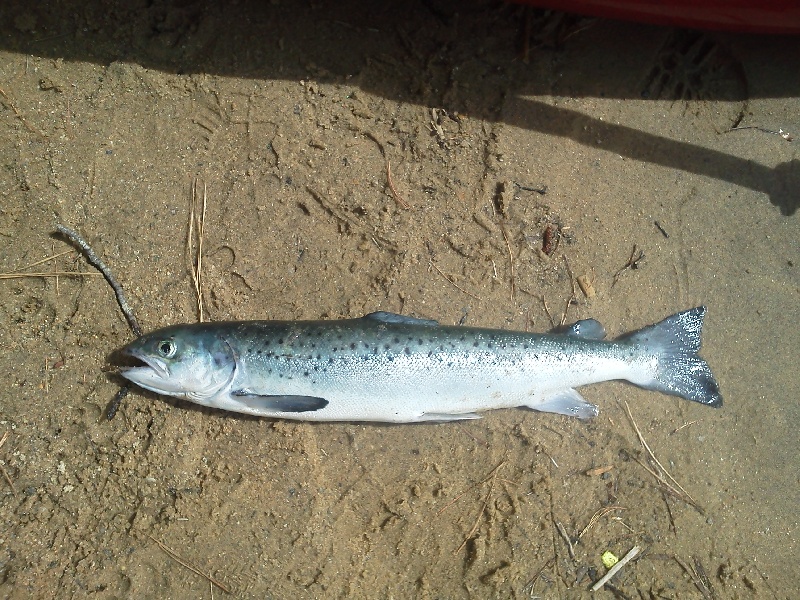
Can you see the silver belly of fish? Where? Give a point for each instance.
(392, 368)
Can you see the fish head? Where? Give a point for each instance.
(185, 361)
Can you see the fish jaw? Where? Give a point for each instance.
(152, 375)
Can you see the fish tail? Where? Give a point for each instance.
(675, 341)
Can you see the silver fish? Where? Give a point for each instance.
(393, 368)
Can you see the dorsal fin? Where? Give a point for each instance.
(395, 319)
(587, 329)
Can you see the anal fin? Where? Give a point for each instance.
(444, 417)
(567, 402)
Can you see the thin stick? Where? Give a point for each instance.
(95, 261)
(3, 469)
(174, 555)
(472, 487)
(510, 261)
(547, 310)
(532, 581)
(453, 283)
(493, 478)
(20, 117)
(563, 532)
(597, 516)
(655, 460)
(47, 274)
(113, 406)
(637, 255)
(39, 262)
(197, 259)
(696, 579)
(787, 136)
(397, 197)
(684, 426)
(634, 552)
(573, 296)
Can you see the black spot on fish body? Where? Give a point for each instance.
(396, 340)
(352, 346)
(475, 344)
(280, 340)
(420, 342)
(407, 350)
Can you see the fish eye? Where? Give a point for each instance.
(167, 348)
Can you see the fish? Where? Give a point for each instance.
(393, 368)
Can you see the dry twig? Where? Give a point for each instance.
(667, 481)
(195, 245)
(635, 258)
(20, 117)
(510, 261)
(633, 553)
(453, 283)
(3, 469)
(397, 197)
(177, 558)
(491, 478)
(98, 264)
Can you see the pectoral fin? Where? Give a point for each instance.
(567, 402)
(290, 404)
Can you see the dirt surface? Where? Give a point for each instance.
(503, 127)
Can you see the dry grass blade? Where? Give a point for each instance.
(528, 587)
(195, 244)
(698, 579)
(573, 295)
(597, 516)
(3, 469)
(510, 262)
(663, 477)
(492, 479)
(397, 197)
(39, 262)
(633, 553)
(48, 274)
(177, 558)
(20, 117)
(453, 283)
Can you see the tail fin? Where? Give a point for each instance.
(680, 372)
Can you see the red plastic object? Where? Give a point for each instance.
(754, 16)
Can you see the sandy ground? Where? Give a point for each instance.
(287, 114)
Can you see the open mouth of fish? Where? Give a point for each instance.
(140, 366)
